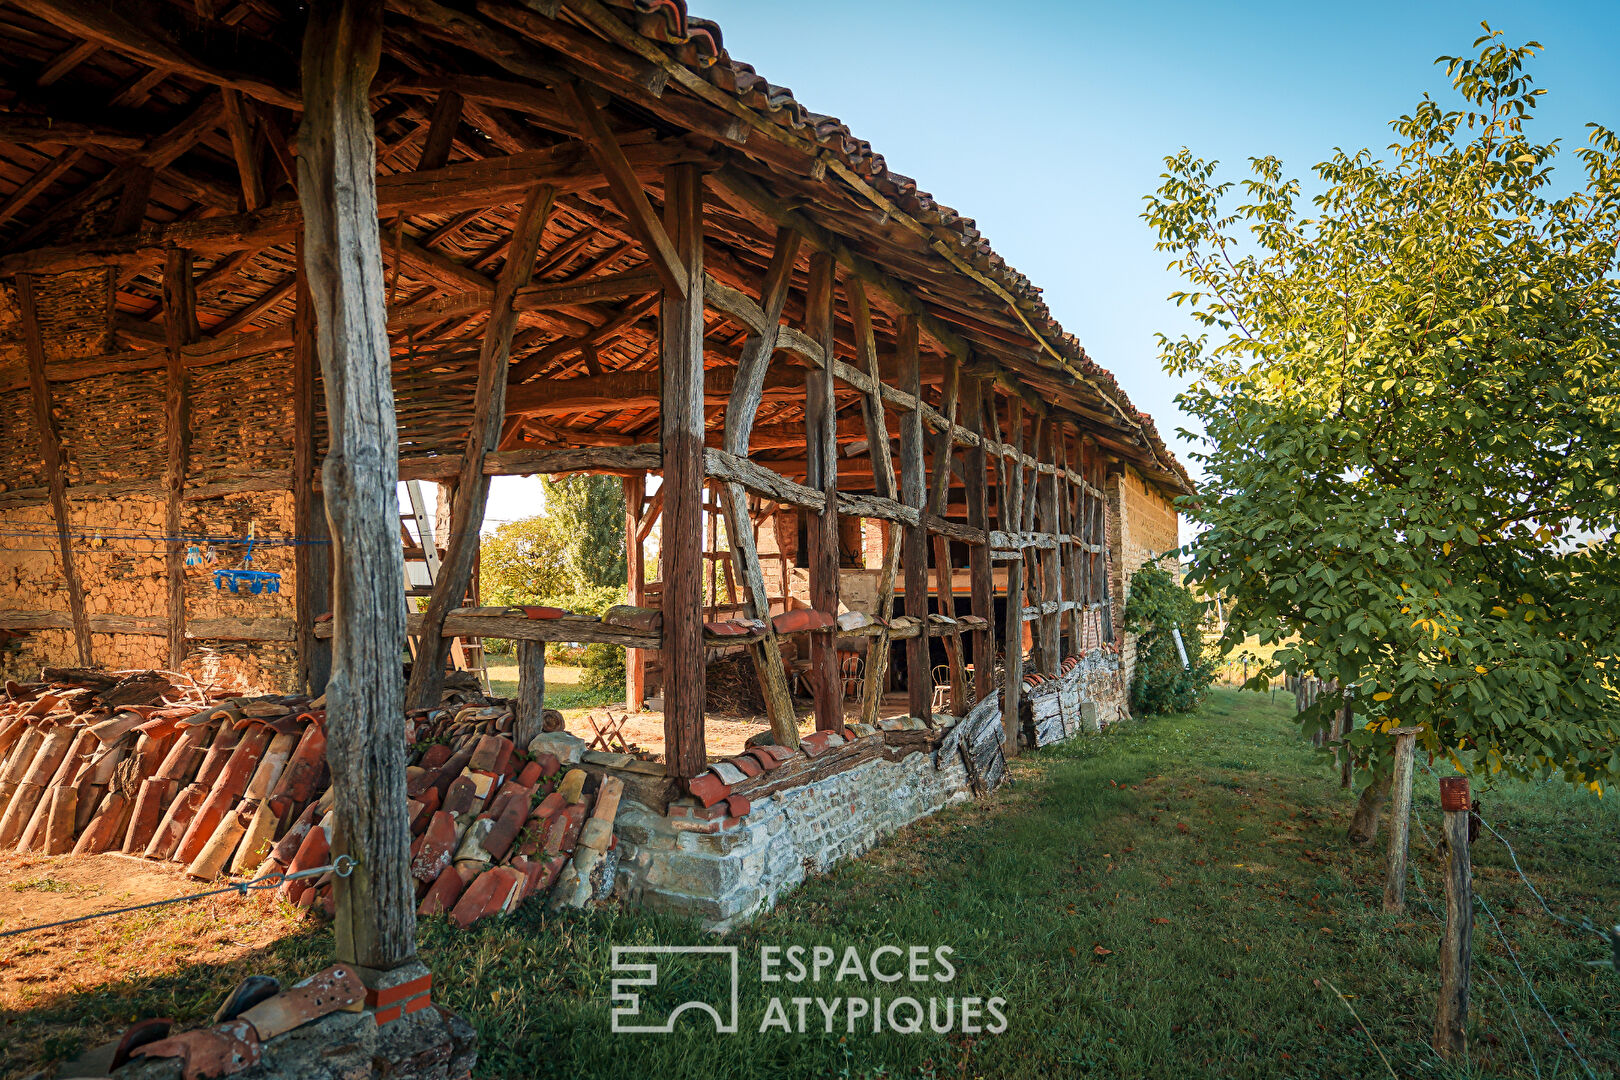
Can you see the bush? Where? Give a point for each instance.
(1157, 605)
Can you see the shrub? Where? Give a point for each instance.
(1158, 604)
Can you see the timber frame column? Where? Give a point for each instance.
(179, 330)
(50, 454)
(681, 435)
(982, 585)
(821, 425)
(1009, 501)
(913, 483)
(337, 178)
(635, 572)
(312, 561)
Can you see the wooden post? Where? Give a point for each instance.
(913, 492)
(1451, 1015)
(681, 433)
(531, 699)
(982, 585)
(635, 563)
(472, 487)
(50, 453)
(337, 173)
(1050, 559)
(821, 429)
(312, 562)
(883, 485)
(1400, 820)
(1008, 502)
(179, 330)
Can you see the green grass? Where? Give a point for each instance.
(1170, 899)
(563, 691)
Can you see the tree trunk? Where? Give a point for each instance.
(1369, 808)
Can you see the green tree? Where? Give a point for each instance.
(524, 561)
(1159, 605)
(1409, 401)
(590, 510)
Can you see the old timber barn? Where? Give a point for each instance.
(258, 267)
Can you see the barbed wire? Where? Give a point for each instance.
(342, 866)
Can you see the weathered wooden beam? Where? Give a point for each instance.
(767, 650)
(1051, 561)
(761, 480)
(312, 563)
(472, 487)
(30, 129)
(210, 629)
(482, 623)
(31, 188)
(749, 384)
(179, 328)
(50, 454)
(149, 44)
(914, 493)
(821, 454)
(531, 698)
(441, 134)
(464, 185)
(681, 434)
(617, 391)
(635, 568)
(625, 187)
(981, 580)
(240, 128)
(376, 904)
(1009, 500)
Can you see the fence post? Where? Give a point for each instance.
(1451, 1016)
(1400, 820)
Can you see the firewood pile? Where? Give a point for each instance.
(151, 765)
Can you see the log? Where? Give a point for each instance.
(376, 904)
(821, 453)
(681, 435)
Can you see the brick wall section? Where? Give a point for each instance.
(1142, 524)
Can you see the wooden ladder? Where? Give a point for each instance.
(422, 550)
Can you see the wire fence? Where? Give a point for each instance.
(342, 866)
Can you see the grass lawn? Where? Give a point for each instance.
(1174, 898)
(563, 691)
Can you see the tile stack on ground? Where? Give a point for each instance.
(240, 786)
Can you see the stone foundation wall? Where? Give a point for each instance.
(723, 870)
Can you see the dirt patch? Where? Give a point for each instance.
(39, 966)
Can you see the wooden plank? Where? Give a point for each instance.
(376, 904)
(1009, 501)
(821, 455)
(239, 127)
(681, 433)
(179, 329)
(312, 562)
(982, 587)
(914, 493)
(749, 384)
(626, 190)
(50, 453)
(635, 660)
(1051, 562)
(767, 651)
(441, 134)
(472, 487)
(531, 697)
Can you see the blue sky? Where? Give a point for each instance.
(1048, 122)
